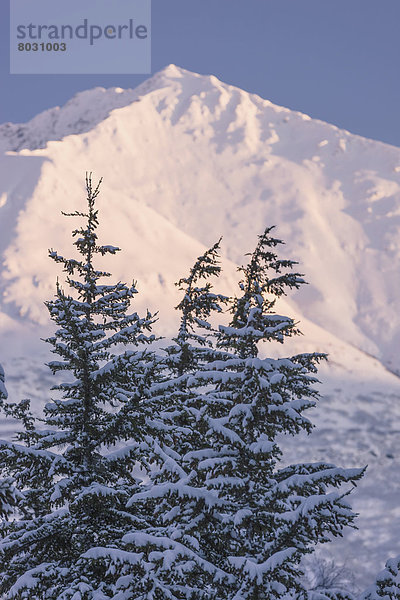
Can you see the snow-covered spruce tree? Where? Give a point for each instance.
(192, 346)
(74, 479)
(181, 544)
(3, 391)
(8, 494)
(273, 515)
(387, 583)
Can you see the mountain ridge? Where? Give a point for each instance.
(328, 190)
(17, 134)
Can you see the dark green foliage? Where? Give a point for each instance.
(272, 515)
(212, 514)
(387, 583)
(181, 545)
(74, 477)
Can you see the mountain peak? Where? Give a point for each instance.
(82, 112)
(172, 70)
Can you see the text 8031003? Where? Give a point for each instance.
(42, 47)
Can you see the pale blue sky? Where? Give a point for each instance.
(336, 60)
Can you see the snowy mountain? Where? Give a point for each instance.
(185, 159)
(185, 146)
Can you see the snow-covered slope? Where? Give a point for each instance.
(212, 159)
(185, 159)
(80, 114)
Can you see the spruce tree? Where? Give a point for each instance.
(3, 391)
(274, 515)
(218, 517)
(228, 523)
(75, 468)
(193, 346)
(9, 496)
(181, 543)
(387, 583)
